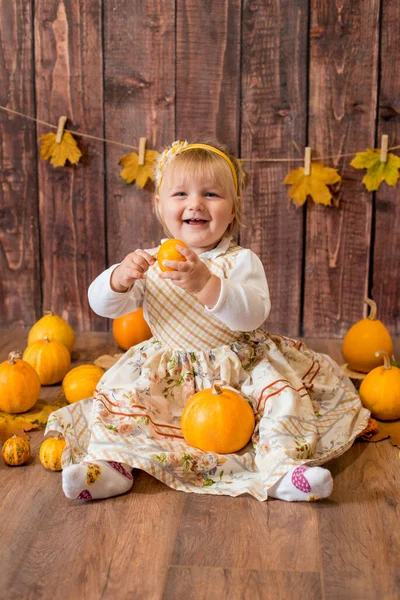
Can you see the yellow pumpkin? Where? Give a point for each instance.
(217, 419)
(131, 329)
(51, 360)
(19, 384)
(364, 339)
(168, 251)
(53, 327)
(380, 391)
(50, 453)
(80, 382)
(16, 451)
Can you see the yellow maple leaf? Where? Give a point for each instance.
(377, 171)
(58, 154)
(314, 185)
(35, 418)
(132, 171)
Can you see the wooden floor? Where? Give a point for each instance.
(156, 542)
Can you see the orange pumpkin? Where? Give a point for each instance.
(217, 420)
(51, 360)
(168, 251)
(380, 391)
(131, 329)
(80, 382)
(50, 453)
(364, 339)
(19, 384)
(53, 327)
(16, 451)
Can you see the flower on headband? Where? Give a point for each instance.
(166, 156)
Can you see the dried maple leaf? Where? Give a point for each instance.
(377, 171)
(132, 171)
(32, 419)
(58, 154)
(314, 185)
(388, 429)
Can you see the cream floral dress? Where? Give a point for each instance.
(306, 410)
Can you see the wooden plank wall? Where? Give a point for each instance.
(260, 77)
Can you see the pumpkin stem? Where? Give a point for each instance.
(48, 312)
(386, 359)
(46, 339)
(372, 305)
(217, 386)
(13, 356)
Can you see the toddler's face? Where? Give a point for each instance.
(195, 211)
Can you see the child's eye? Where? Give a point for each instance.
(212, 194)
(180, 194)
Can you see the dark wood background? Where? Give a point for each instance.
(259, 76)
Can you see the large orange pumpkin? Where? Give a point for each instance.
(217, 419)
(168, 251)
(380, 391)
(51, 360)
(364, 339)
(131, 329)
(19, 384)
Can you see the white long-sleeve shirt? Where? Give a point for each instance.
(243, 304)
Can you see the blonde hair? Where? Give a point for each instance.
(201, 163)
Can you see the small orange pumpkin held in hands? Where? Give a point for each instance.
(51, 360)
(16, 451)
(131, 329)
(217, 419)
(380, 390)
(168, 251)
(364, 339)
(19, 384)
(50, 453)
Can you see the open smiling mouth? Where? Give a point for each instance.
(195, 222)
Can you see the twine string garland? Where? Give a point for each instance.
(255, 160)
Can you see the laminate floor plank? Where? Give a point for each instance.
(155, 543)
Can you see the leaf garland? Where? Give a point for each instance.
(314, 185)
(377, 171)
(140, 174)
(58, 154)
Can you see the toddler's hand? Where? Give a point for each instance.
(133, 267)
(191, 275)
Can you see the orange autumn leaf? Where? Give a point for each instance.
(314, 185)
(140, 174)
(35, 418)
(58, 154)
(388, 429)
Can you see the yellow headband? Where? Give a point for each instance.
(216, 151)
(179, 147)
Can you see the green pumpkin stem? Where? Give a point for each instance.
(386, 359)
(372, 305)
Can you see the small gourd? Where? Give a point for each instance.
(81, 382)
(131, 329)
(16, 451)
(54, 328)
(50, 453)
(217, 419)
(19, 384)
(380, 390)
(51, 360)
(364, 339)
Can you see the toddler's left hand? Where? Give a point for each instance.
(191, 275)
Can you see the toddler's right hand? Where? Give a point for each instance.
(133, 267)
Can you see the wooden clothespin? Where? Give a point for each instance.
(384, 147)
(142, 150)
(60, 129)
(307, 161)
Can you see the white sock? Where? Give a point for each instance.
(303, 483)
(102, 479)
